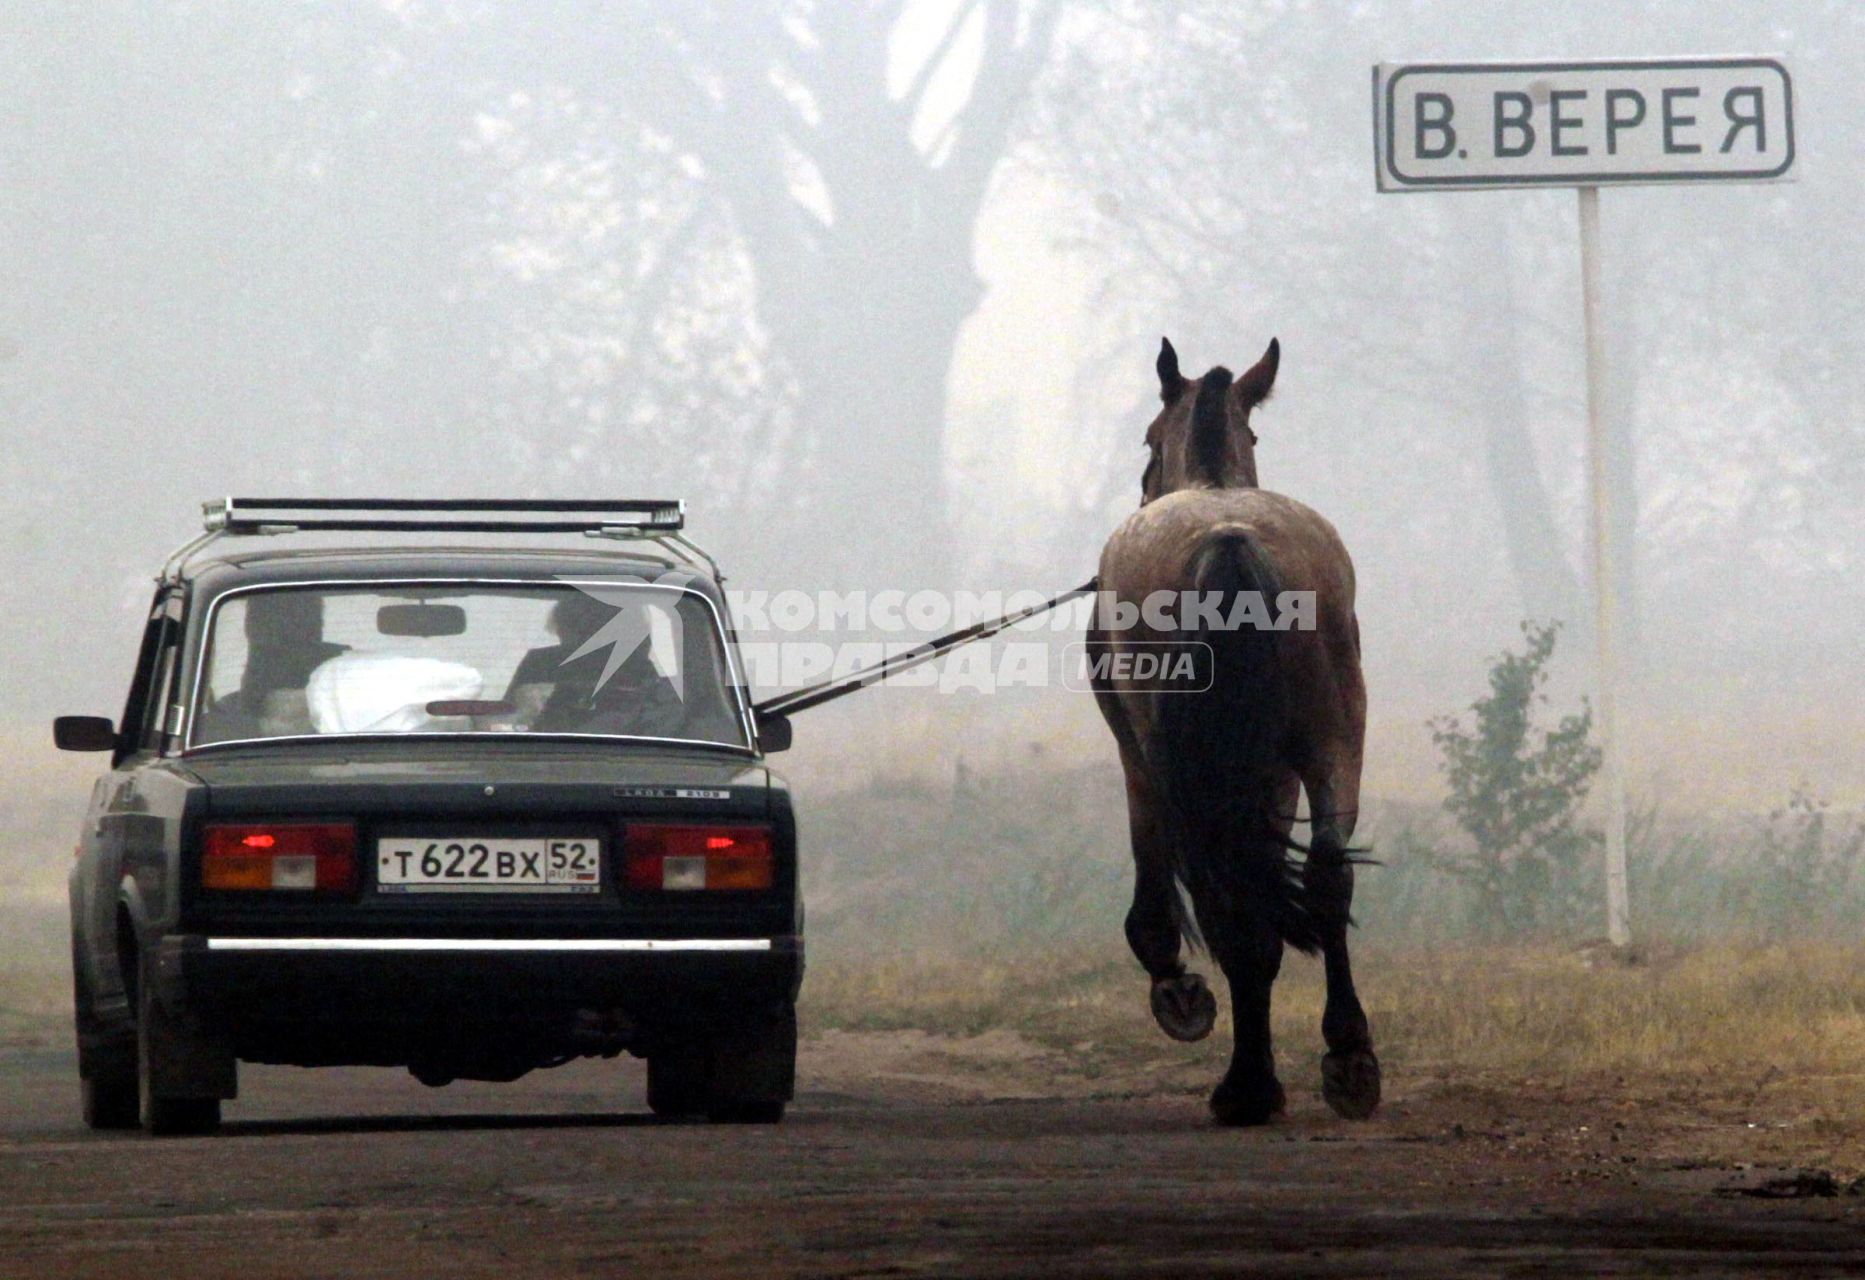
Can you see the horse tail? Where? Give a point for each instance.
(1218, 756)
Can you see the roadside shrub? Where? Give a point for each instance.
(1515, 791)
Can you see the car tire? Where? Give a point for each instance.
(679, 1079)
(754, 1070)
(180, 1117)
(109, 1088)
(159, 1033)
(106, 1063)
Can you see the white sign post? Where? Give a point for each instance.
(1467, 126)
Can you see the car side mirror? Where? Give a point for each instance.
(84, 733)
(773, 734)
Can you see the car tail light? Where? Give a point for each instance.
(698, 857)
(304, 857)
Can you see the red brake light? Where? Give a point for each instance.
(666, 856)
(315, 857)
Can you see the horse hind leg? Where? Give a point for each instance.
(1350, 1079)
(1181, 1001)
(1250, 951)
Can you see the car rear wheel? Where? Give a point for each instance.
(742, 1076)
(174, 1100)
(180, 1117)
(678, 1080)
(754, 1070)
(106, 1063)
(108, 1087)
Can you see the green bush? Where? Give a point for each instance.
(1515, 791)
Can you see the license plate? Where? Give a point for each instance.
(488, 864)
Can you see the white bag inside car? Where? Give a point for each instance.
(385, 692)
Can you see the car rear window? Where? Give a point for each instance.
(608, 659)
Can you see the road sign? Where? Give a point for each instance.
(1442, 126)
(1449, 126)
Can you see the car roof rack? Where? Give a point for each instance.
(458, 515)
(658, 520)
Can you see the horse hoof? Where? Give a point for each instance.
(1184, 1007)
(1350, 1083)
(1249, 1104)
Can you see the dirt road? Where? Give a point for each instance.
(897, 1161)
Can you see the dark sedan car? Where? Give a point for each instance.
(469, 805)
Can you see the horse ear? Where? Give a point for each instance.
(1171, 382)
(1254, 386)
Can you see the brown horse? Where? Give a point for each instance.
(1213, 775)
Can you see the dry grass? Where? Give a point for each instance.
(1723, 1056)
(1724, 1007)
(1724, 1021)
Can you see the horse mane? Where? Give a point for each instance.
(1210, 438)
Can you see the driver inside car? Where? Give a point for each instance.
(560, 689)
(285, 644)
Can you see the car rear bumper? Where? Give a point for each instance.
(495, 946)
(327, 998)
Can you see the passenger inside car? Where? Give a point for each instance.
(284, 645)
(285, 642)
(560, 688)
